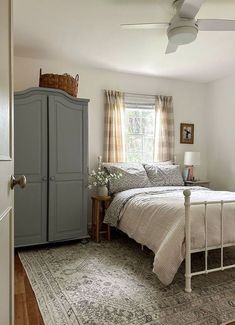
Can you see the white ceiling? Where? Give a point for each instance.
(88, 32)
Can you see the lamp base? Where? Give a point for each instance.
(190, 174)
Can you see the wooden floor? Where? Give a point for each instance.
(26, 307)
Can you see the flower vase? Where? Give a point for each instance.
(102, 190)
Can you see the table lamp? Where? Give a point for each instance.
(191, 159)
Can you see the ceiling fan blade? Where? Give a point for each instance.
(171, 48)
(216, 25)
(190, 8)
(145, 26)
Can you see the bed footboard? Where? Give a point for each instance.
(189, 251)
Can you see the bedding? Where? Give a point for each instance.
(164, 175)
(160, 163)
(133, 176)
(155, 217)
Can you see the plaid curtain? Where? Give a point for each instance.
(113, 127)
(164, 129)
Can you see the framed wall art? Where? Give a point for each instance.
(186, 133)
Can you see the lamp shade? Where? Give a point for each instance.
(192, 158)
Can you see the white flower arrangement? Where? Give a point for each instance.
(101, 178)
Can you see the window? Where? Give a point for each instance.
(139, 128)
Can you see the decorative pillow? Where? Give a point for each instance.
(164, 175)
(167, 162)
(133, 176)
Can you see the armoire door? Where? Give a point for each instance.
(67, 169)
(31, 160)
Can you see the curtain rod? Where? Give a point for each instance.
(127, 93)
(136, 94)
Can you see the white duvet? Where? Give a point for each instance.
(158, 220)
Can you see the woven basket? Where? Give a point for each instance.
(64, 82)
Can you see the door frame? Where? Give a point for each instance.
(7, 163)
(7, 168)
(11, 105)
(10, 155)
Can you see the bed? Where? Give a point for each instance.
(174, 222)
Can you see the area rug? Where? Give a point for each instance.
(113, 283)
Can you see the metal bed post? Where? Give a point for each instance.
(187, 194)
(206, 241)
(222, 236)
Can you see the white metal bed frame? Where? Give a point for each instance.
(189, 251)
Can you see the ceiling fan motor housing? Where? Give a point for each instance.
(182, 31)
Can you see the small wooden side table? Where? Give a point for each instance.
(99, 205)
(197, 183)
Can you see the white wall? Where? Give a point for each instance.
(189, 99)
(221, 133)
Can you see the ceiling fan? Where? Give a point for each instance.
(183, 27)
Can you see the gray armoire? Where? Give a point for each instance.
(51, 148)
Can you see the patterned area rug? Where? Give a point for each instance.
(112, 283)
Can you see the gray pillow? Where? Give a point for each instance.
(164, 175)
(133, 176)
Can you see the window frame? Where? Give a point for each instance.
(142, 103)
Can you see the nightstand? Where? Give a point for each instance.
(99, 205)
(197, 183)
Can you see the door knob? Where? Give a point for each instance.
(21, 181)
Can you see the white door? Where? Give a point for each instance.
(6, 167)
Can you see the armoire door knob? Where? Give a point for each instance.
(21, 181)
(52, 178)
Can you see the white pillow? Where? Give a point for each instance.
(164, 175)
(159, 163)
(167, 162)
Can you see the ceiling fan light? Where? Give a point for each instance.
(182, 35)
